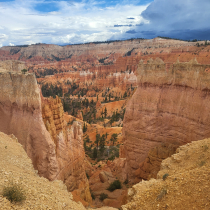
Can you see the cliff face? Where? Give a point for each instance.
(12, 65)
(20, 111)
(56, 153)
(171, 105)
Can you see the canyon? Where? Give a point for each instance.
(156, 97)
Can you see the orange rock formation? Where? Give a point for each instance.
(171, 105)
(56, 152)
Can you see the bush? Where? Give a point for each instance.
(103, 196)
(14, 192)
(88, 177)
(24, 71)
(165, 176)
(114, 185)
(92, 195)
(125, 182)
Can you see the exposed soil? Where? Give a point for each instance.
(186, 184)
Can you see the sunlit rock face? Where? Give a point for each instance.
(56, 152)
(170, 106)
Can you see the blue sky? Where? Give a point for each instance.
(70, 22)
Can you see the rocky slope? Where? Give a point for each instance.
(40, 193)
(56, 152)
(171, 105)
(183, 182)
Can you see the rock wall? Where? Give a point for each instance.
(53, 116)
(20, 111)
(56, 153)
(171, 105)
(12, 65)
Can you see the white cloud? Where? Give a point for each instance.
(73, 23)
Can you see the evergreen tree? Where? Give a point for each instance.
(87, 139)
(98, 136)
(105, 99)
(106, 135)
(114, 138)
(105, 112)
(95, 153)
(102, 143)
(84, 128)
(109, 96)
(24, 71)
(125, 95)
(87, 103)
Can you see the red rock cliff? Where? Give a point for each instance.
(57, 154)
(171, 105)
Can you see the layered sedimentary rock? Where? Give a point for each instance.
(20, 111)
(171, 105)
(53, 116)
(47, 53)
(12, 65)
(56, 152)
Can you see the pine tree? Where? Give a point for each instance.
(114, 138)
(98, 136)
(84, 128)
(105, 112)
(102, 143)
(95, 153)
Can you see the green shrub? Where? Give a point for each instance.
(103, 196)
(14, 192)
(88, 177)
(92, 195)
(125, 182)
(114, 185)
(24, 71)
(165, 176)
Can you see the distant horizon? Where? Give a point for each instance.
(107, 41)
(68, 22)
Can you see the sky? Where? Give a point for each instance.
(62, 22)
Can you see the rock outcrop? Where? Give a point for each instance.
(12, 65)
(20, 111)
(56, 152)
(183, 182)
(40, 194)
(16, 167)
(53, 116)
(171, 105)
